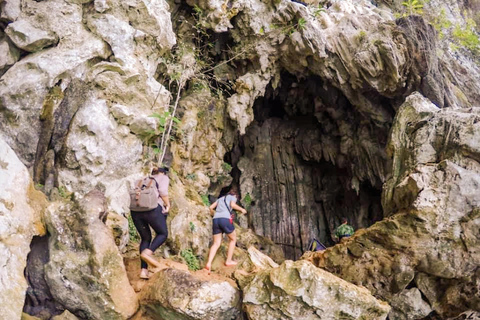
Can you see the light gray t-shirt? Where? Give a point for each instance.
(222, 211)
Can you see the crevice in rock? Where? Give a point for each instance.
(309, 159)
(39, 301)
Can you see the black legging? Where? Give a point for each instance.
(143, 221)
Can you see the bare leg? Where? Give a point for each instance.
(146, 256)
(231, 247)
(217, 240)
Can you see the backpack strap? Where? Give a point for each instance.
(228, 208)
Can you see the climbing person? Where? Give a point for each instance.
(155, 218)
(343, 231)
(223, 223)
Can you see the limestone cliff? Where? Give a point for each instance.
(316, 110)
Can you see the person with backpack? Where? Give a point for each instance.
(343, 231)
(149, 208)
(223, 223)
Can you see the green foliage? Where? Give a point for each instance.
(62, 191)
(192, 226)
(247, 201)
(191, 260)
(205, 200)
(441, 23)
(362, 36)
(318, 10)
(412, 7)
(226, 167)
(191, 176)
(466, 36)
(132, 231)
(39, 186)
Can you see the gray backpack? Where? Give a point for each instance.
(144, 196)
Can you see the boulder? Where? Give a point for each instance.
(299, 290)
(66, 315)
(29, 38)
(430, 239)
(9, 54)
(173, 294)
(86, 273)
(21, 218)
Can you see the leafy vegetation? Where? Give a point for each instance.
(192, 226)
(205, 200)
(412, 7)
(226, 167)
(191, 260)
(466, 36)
(132, 231)
(247, 201)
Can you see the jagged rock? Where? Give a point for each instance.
(9, 54)
(21, 217)
(299, 290)
(86, 272)
(411, 305)
(66, 315)
(175, 294)
(22, 101)
(27, 37)
(10, 9)
(432, 198)
(190, 223)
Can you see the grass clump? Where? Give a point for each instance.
(132, 231)
(191, 259)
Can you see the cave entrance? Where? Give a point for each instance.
(309, 159)
(39, 301)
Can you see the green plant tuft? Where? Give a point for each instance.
(412, 7)
(132, 231)
(191, 260)
(192, 226)
(227, 167)
(205, 200)
(247, 201)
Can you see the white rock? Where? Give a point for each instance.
(299, 290)
(21, 213)
(9, 54)
(27, 37)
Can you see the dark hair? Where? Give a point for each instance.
(344, 220)
(233, 191)
(156, 170)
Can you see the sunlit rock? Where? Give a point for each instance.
(297, 290)
(21, 217)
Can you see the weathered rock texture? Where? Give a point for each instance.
(299, 290)
(85, 272)
(176, 294)
(424, 256)
(21, 218)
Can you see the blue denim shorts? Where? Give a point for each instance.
(222, 225)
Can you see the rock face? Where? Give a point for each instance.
(21, 218)
(85, 272)
(176, 294)
(427, 245)
(28, 38)
(299, 290)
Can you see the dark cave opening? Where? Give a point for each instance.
(39, 301)
(309, 159)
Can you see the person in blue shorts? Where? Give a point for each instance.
(223, 223)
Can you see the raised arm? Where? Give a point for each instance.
(237, 207)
